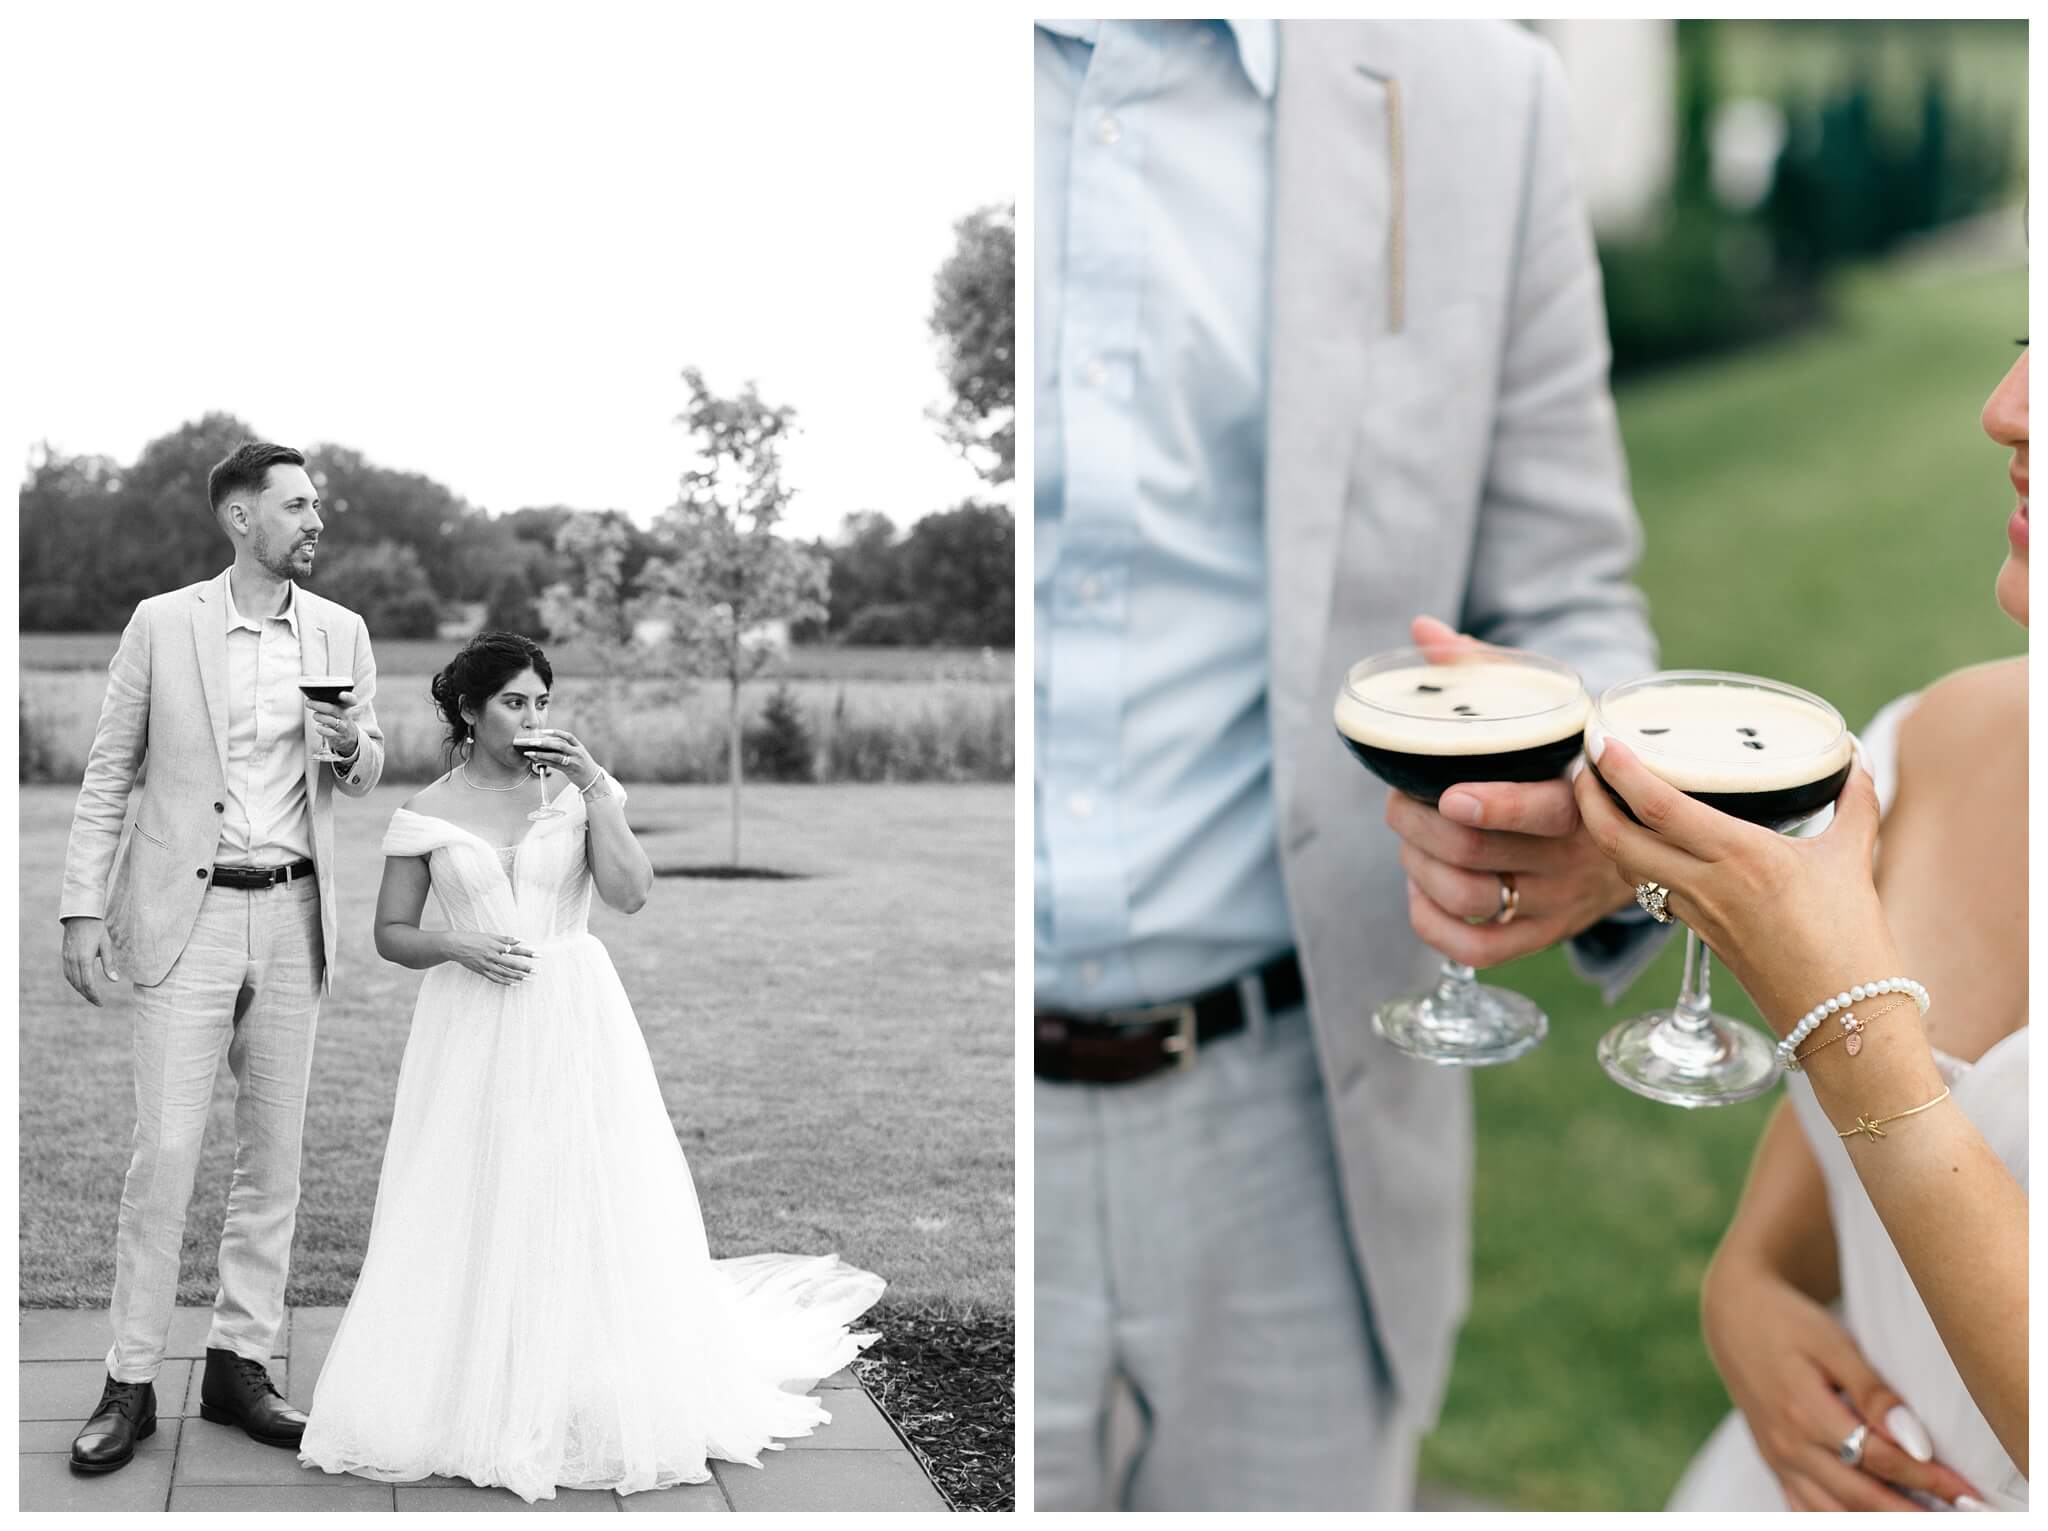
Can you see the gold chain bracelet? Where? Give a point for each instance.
(1871, 1128)
(1851, 1032)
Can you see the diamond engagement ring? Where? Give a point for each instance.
(1651, 896)
(1510, 898)
(1851, 1449)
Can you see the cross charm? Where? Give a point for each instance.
(1868, 1128)
(1853, 1030)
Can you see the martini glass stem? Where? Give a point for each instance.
(1694, 1010)
(1454, 985)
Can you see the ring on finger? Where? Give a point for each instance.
(1851, 1449)
(1651, 896)
(1510, 899)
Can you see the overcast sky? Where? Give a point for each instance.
(481, 243)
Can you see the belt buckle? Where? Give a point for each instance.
(1181, 1045)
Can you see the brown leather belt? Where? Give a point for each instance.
(260, 877)
(1124, 1046)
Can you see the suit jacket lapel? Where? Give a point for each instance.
(210, 639)
(1333, 193)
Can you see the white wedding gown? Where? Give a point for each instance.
(1879, 1304)
(538, 1307)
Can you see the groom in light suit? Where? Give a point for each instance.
(1320, 348)
(217, 898)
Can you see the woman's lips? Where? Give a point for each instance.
(2016, 527)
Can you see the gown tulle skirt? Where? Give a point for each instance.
(537, 1306)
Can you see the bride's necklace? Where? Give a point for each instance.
(510, 786)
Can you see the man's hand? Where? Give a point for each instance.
(336, 721)
(85, 943)
(1454, 855)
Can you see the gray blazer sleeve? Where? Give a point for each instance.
(1558, 536)
(118, 746)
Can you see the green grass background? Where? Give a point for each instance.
(1828, 512)
(836, 1052)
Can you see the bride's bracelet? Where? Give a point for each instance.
(1872, 1127)
(1788, 1049)
(600, 789)
(1852, 1030)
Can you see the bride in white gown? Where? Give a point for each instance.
(1868, 1306)
(537, 1306)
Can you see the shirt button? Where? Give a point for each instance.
(1107, 129)
(1080, 805)
(1089, 588)
(1091, 974)
(1095, 374)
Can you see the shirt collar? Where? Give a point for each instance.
(235, 617)
(1258, 46)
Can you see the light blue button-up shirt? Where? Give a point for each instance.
(1157, 857)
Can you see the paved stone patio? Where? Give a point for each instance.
(858, 1462)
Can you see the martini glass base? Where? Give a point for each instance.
(1658, 1056)
(1487, 1025)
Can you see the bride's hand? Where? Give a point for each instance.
(1794, 919)
(502, 959)
(1785, 1358)
(566, 754)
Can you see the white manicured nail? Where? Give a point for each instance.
(1577, 767)
(1596, 741)
(1901, 1425)
(1965, 1502)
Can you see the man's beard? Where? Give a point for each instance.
(281, 565)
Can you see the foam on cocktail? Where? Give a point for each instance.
(1716, 738)
(1473, 707)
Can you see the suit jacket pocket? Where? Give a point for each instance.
(151, 836)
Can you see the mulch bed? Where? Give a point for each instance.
(948, 1381)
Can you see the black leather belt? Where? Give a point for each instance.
(1123, 1046)
(260, 877)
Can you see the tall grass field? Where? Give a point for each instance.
(870, 715)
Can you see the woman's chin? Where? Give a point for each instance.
(2012, 588)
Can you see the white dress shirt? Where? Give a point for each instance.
(267, 822)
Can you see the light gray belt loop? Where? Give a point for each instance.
(1252, 994)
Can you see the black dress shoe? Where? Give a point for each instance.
(126, 1414)
(238, 1391)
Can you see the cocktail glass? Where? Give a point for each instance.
(1423, 720)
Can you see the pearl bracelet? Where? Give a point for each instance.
(1790, 1045)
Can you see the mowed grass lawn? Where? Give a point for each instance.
(1826, 511)
(836, 1051)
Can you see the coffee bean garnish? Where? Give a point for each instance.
(1653, 730)
(1463, 711)
(1751, 744)
(1432, 690)
(1747, 733)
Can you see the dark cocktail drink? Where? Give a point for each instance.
(526, 745)
(329, 689)
(1422, 722)
(1764, 752)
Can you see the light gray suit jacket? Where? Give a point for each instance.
(162, 741)
(1441, 440)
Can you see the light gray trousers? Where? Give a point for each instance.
(249, 981)
(1190, 1242)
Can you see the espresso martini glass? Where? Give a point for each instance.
(526, 744)
(326, 688)
(1422, 721)
(1766, 753)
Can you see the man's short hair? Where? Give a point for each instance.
(245, 471)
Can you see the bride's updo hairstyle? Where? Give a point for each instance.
(479, 673)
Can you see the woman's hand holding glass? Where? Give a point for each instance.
(1794, 919)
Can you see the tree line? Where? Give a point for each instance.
(98, 535)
